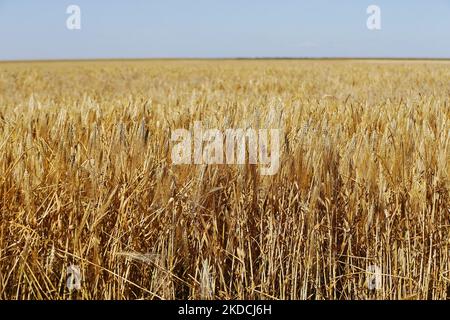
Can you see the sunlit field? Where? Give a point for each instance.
(87, 181)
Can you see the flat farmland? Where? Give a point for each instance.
(358, 208)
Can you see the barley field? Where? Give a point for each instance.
(359, 208)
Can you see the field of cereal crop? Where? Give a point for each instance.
(360, 200)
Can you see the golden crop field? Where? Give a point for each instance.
(359, 208)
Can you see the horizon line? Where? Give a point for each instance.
(225, 58)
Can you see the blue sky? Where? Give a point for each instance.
(36, 29)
